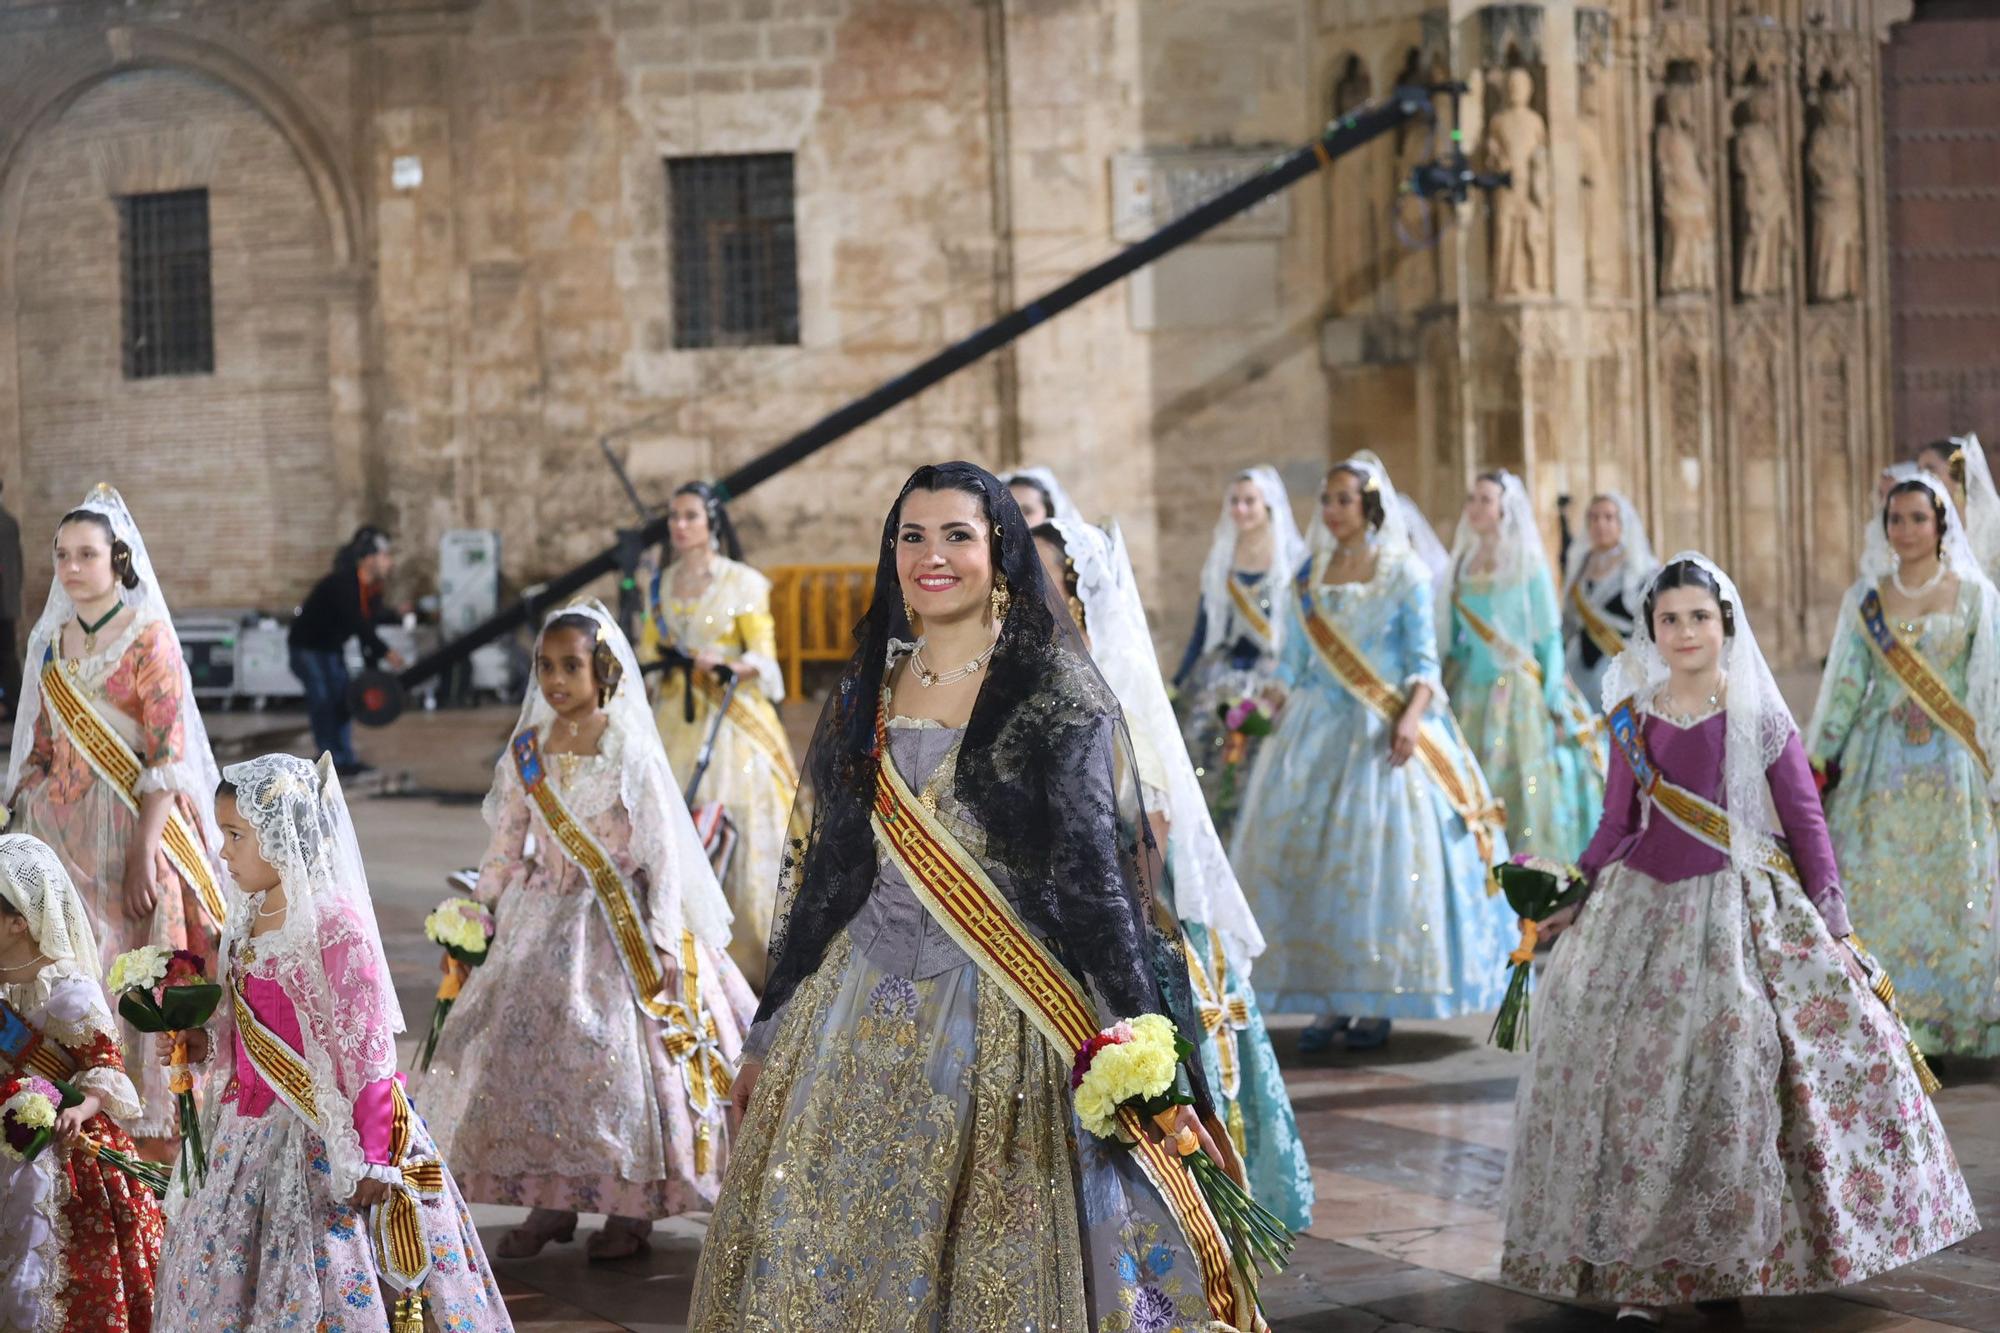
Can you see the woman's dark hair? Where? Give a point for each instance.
(1940, 512)
(1023, 479)
(1371, 494)
(720, 530)
(367, 540)
(225, 789)
(604, 667)
(1953, 454)
(1050, 533)
(121, 554)
(7, 908)
(1037, 769)
(1688, 574)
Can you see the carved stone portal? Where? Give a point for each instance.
(1687, 217)
(1597, 179)
(1517, 142)
(1833, 175)
(1764, 223)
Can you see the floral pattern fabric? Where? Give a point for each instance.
(79, 1240)
(1235, 669)
(1714, 1108)
(1917, 839)
(551, 1011)
(134, 683)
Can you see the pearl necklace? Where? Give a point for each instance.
(1937, 577)
(927, 677)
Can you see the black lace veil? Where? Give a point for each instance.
(1038, 771)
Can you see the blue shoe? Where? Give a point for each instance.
(1368, 1034)
(1318, 1036)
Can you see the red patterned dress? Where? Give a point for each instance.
(134, 683)
(79, 1240)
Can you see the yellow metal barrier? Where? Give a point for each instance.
(816, 608)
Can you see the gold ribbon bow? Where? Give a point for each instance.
(691, 1040)
(402, 1254)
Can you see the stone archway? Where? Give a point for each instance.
(257, 468)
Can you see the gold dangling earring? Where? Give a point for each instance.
(909, 616)
(1001, 598)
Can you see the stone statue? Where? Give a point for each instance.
(1687, 218)
(1517, 142)
(1764, 242)
(1597, 178)
(1833, 175)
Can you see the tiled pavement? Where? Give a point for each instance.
(1409, 1145)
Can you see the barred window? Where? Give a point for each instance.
(735, 257)
(169, 311)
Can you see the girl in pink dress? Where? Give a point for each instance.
(563, 1080)
(317, 1164)
(107, 633)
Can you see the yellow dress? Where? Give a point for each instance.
(752, 772)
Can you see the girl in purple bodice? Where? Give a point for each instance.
(1716, 1104)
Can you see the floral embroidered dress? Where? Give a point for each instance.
(79, 1241)
(1548, 779)
(1712, 1106)
(135, 682)
(1369, 886)
(1915, 831)
(270, 1241)
(546, 1033)
(911, 1160)
(752, 772)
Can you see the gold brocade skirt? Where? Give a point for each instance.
(916, 1175)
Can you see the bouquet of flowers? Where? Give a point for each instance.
(464, 929)
(1535, 888)
(1243, 721)
(168, 990)
(29, 1106)
(1134, 1067)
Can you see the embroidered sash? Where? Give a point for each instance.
(402, 1253)
(1222, 1014)
(956, 890)
(1696, 816)
(1601, 631)
(26, 1049)
(112, 760)
(1441, 751)
(1585, 725)
(691, 1036)
(1246, 606)
(1921, 679)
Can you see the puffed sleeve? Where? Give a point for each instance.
(758, 631)
(39, 757)
(78, 1018)
(1416, 628)
(156, 690)
(1854, 666)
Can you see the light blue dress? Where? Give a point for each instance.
(1370, 888)
(1551, 784)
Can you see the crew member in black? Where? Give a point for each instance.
(346, 604)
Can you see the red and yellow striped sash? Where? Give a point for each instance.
(112, 760)
(1441, 752)
(958, 893)
(26, 1049)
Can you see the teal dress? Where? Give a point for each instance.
(1914, 832)
(1370, 889)
(1551, 782)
